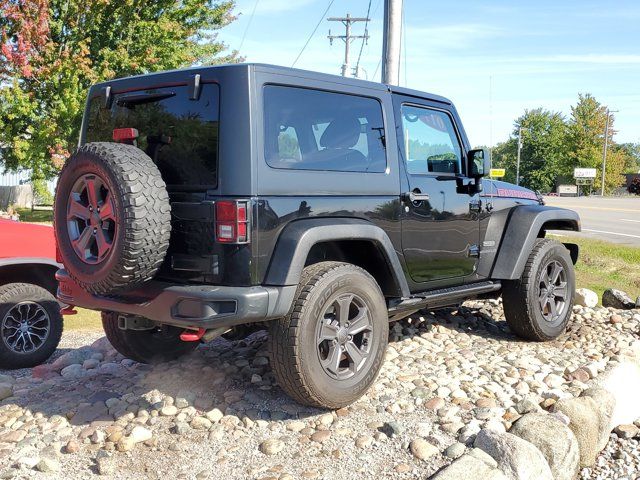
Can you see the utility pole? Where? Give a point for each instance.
(604, 150)
(391, 43)
(347, 37)
(519, 149)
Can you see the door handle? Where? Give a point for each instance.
(416, 196)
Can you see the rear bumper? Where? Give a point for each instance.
(188, 306)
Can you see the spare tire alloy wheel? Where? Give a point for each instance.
(112, 217)
(91, 220)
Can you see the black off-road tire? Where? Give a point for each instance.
(521, 298)
(142, 217)
(159, 345)
(11, 296)
(292, 340)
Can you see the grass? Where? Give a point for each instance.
(35, 216)
(602, 265)
(83, 320)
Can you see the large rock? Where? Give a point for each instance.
(470, 466)
(589, 420)
(554, 439)
(617, 299)
(585, 298)
(69, 358)
(606, 405)
(516, 458)
(6, 391)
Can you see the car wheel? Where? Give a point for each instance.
(156, 345)
(30, 325)
(329, 349)
(112, 217)
(539, 304)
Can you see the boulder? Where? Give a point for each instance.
(554, 439)
(6, 391)
(469, 466)
(516, 458)
(606, 404)
(617, 299)
(585, 298)
(589, 420)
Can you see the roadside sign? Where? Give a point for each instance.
(584, 173)
(497, 172)
(567, 190)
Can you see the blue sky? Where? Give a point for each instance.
(493, 58)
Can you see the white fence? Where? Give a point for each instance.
(22, 177)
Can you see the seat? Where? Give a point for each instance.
(337, 141)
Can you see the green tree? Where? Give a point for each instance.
(586, 141)
(632, 154)
(53, 50)
(543, 149)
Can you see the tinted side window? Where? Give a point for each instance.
(180, 135)
(430, 141)
(316, 130)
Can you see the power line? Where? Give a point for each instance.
(364, 38)
(347, 37)
(312, 33)
(244, 35)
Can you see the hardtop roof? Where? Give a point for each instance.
(281, 70)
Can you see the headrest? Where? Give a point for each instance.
(341, 133)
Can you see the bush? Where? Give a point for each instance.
(41, 194)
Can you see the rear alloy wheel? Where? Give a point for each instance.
(329, 349)
(538, 305)
(30, 325)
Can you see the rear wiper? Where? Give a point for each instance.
(129, 101)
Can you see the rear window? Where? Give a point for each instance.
(179, 134)
(316, 130)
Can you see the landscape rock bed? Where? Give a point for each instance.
(218, 413)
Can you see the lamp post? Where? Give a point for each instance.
(520, 129)
(604, 150)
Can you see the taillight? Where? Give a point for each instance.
(232, 219)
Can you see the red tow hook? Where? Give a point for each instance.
(68, 310)
(192, 335)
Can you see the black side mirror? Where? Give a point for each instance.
(478, 163)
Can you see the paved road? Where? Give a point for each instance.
(615, 220)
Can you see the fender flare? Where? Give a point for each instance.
(523, 225)
(297, 238)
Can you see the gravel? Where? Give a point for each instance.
(218, 413)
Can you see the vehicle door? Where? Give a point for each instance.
(440, 226)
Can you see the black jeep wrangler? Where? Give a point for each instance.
(205, 199)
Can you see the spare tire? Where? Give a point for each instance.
(112, 217)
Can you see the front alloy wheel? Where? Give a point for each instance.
(538, 305)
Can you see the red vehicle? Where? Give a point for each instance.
(30, 318)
